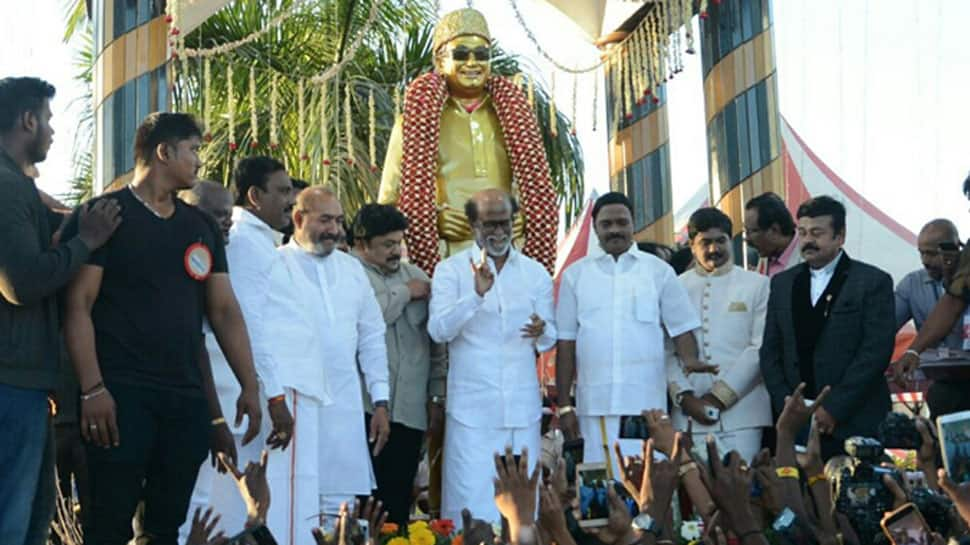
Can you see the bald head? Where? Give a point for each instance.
(933, 234)
(318, 220)
(214, 199)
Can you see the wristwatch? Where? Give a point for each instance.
(645, 523)
(680, 396)
(565, 409)
(438, 400)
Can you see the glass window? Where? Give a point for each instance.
(745, 17)
(764, 135)
(744, 154)
(638, 180)
(731, 144)
(664, 201)
(108, 147)
(754, 128)
(735, 21)
(757, 25)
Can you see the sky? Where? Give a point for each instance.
(876, 89)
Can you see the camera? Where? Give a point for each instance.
(861, 494)
(899, 431)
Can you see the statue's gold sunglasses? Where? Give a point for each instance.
(463, 53)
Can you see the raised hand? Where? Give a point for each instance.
(959, 493)
(535, 328)
(476, 531)
(484, 279)
(202, 528)
(253, 487)
(796, 413)
(515, 489)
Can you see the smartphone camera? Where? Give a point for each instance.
(634, 426)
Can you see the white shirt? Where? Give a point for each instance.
(822, 277)
(251, 256)
(732, 303)
(614, 310)
(492, 378)
(350, 329)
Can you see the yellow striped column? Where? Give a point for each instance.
(131, 40)
(639, 159)
(741, 104)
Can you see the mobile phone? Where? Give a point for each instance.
(791, 530)
(634, 426)
(594, 506)
(572, 454)
(355, 533)
(906, 526)
(259, 535)
(954, 433)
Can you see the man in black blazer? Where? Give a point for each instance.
(830, 323)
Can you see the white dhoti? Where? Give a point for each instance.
(293, 475)
(469, 466)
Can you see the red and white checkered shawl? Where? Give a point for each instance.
(424, 102)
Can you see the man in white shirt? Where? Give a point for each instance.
(611, 317)
(732, 303)
(494, 308)
(264, 199)
(350, 329)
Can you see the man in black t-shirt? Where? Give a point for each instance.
(134, 328)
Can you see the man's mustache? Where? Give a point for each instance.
(332, 238)
(714, 256)
(809, 247)
(615, 236)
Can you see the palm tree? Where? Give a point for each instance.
(395, 49)
(79, 33)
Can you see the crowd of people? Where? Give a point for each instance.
(258, 327)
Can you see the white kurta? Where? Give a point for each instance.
(351, 332)
(493, 387)
(732, 303)
(616, 310)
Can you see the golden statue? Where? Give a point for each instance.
(463, 130)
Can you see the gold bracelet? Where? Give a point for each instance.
(218, 421)
(816, 478)
(787, 472)
(686, 468)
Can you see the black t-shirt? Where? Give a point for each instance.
(148, 314)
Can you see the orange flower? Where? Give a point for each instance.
(442, 527)
(389, 528)
(458, 540)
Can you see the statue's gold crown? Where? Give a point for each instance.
(462, 22)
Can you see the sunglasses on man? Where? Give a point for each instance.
(462, 53)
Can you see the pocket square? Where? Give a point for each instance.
(737, 306)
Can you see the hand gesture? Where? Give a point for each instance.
(282, 432)
(535, 328)
(958, 493)
(652, 486)
(221, 442)
(694, 365)
(661, 430)
(811, 461)
(476, 531)
(253, 487)
(619, 523)
(765, 473)
(796, 413)
(202, 528)
(99, 422)
(552, 518)
(419, 289)
(727, 483)
(97, 222)
(373, 512)
(248, 404)
(696, 409)
(903, 369)
(515, 490)
(380, 429)
(484, 279)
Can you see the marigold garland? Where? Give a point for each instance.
(348, 126)
(301, 119)
(253, 113)
(207, 99)
(372, 132)
(274, 97)
(231, 107)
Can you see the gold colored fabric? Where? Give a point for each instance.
(471, 157)
(462, 22)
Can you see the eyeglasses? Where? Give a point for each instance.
(463, 53)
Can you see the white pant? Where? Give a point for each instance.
(469, 466)
(747, 442)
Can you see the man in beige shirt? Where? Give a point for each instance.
(417, 367)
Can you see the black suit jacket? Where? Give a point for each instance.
(852, 352)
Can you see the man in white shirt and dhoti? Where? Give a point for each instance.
(350, 329)
(285, 351)
(732, 303)
(611, 317)
(494, 308)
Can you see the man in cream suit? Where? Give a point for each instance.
(732, 303)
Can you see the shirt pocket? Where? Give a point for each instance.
(646, 305)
